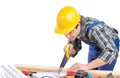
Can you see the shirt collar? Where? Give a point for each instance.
(83, 27)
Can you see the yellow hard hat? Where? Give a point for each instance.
(67, 19)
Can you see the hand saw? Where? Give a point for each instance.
(110, 75)
(65, 58)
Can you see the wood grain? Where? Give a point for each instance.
(37, 68)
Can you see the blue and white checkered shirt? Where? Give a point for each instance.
(103, 35)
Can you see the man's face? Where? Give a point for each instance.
(74, 33)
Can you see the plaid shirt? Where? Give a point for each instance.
(102, 35)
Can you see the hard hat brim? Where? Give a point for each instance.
(63, 31)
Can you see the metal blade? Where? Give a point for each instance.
(110, 75)
(63, 63)
(65, 58)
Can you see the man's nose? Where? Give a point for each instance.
(67, 35)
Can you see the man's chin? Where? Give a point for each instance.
(72, 39)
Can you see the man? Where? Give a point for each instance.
(102, 39)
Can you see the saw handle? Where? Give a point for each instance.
(67, 51)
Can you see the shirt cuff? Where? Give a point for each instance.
(108, 57)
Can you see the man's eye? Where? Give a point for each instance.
(70, 32)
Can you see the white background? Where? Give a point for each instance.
(27, 29)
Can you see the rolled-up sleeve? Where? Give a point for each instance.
(105, 38)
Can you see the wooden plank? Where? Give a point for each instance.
(37, 68)
(103, 74)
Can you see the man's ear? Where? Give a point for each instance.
(79, 25)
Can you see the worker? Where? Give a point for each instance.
(102, 39)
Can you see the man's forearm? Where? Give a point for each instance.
(96, 63)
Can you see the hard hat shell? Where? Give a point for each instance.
(67, 19)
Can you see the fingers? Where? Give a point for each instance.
(71, 47)
(73, 68)
(71, 50)
(78, 66)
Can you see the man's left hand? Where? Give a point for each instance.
(78, 66)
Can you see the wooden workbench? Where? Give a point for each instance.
(36, 68)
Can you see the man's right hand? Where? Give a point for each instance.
(71, 50)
